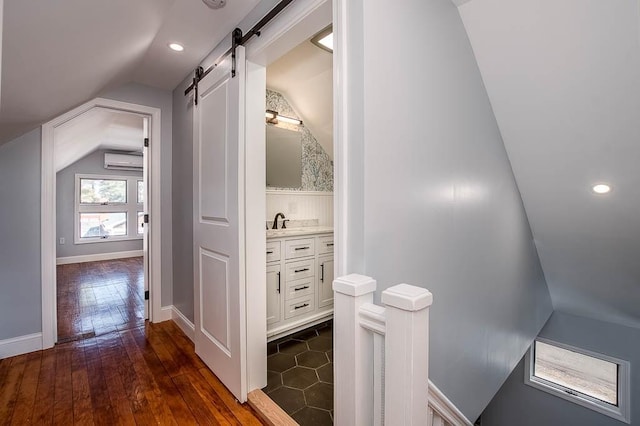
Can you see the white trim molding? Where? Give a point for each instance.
(98, 257)
(446, 409)
(20, 345)
(48, 210)
(183, 322)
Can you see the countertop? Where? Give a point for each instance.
(294, 232)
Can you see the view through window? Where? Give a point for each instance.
(579, 372)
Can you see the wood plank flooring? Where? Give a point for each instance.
(141, 376)
(95, 298)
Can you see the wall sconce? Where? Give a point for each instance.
(274, 118)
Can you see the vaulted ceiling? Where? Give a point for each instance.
(58, 54)
(564, 83)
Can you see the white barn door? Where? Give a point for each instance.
(218, 225)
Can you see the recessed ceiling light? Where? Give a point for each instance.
(176, 46)
(601, 188)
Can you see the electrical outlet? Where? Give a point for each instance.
(62, 240)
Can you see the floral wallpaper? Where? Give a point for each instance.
(317, 167)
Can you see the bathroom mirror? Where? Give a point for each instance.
(284, 157)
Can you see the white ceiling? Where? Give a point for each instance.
(564, 82)
(305, 77)
(98, 128)
(58, 54)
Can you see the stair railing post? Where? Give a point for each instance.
(353, 352)
(406, 354)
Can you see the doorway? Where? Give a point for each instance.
(299, 217)
(100, 207)
(110, 207)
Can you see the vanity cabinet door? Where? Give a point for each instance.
(325, 281)
(274, 287)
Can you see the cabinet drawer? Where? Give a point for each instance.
(325, 244)
(273, 251)
(299, 288)
(299, 248)
(299, 270)
(299, 306)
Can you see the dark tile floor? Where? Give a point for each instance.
(300, 375)
(95, 298)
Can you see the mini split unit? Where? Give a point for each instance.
(122, 161)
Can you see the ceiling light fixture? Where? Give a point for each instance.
(176, 46)
(324, 39)
(215, 4)
(274, 118)
(601, 188)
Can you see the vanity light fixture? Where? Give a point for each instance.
(601, 188)
(324, 39)
(176, 46)
(274, 118)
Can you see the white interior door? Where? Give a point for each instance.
(218, 233)
(145, 210)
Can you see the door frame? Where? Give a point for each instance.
(298, 22)
(48, 211)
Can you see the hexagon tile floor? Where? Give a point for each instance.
(300, 375)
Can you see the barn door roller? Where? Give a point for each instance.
(237, 39)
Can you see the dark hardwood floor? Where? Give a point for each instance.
(145, 375)
(95, 298)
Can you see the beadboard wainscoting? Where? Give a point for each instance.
(298, 205)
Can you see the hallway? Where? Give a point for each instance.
(145, 375)
(95, 298)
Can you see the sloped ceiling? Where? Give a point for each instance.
(98, 128)
(564, 82)
(305, 77)
(58, 54)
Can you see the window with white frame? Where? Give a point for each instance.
(595, 381)
(108, 208)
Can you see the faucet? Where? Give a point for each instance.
(275, 221)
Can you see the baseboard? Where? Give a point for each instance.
(99, 257)
(446, 409)
(183, 322)
(20, 345)
(166, 313)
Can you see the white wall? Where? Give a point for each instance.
(440, 206)
(297, 205)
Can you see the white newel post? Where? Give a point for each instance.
(406, 354)
(353, 357)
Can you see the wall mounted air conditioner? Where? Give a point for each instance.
(122, 161)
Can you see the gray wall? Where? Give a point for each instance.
(182, 202)
(149, 96)
(519, 404)
(441, 206)
(20, 306)
(20, 283)
(65, 208)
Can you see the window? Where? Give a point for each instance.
(141, 191)
(108, 208)
(592, 380)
